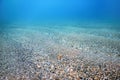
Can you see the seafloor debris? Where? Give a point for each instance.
(51, 57)
(67, 69)
(59, 56)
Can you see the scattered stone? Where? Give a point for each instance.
(38, 66)
(11, 77)
(35, 58)
(96, 78)
(59, 56)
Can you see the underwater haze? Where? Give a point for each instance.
(36, 11)
(59, 39)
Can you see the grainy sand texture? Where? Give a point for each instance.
(59, 53)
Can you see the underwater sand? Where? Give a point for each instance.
(59, 53)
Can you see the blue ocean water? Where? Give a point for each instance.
(39, 11)
(41, 38)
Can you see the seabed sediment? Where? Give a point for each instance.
(69, 53)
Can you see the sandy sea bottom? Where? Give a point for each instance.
(59, 53)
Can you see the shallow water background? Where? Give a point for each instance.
(59, 40)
